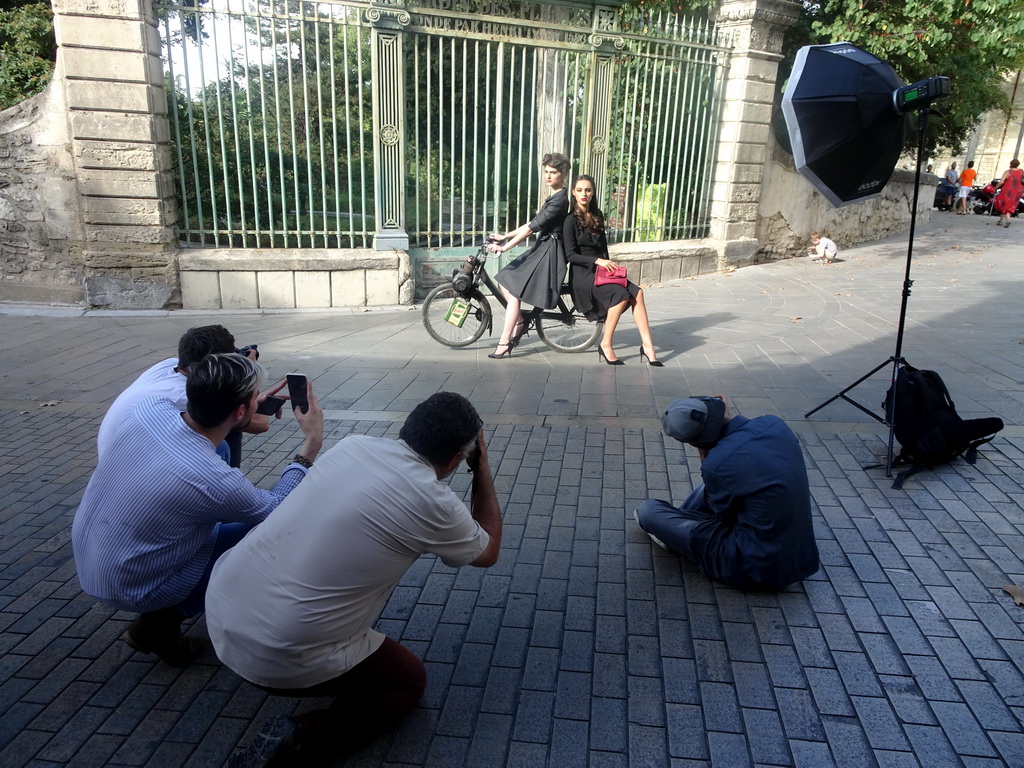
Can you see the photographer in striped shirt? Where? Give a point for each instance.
(161, 506)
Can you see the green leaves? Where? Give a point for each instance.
(27, 51)
(975, 43)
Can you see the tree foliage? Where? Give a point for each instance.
(974, 43)
(27, 50)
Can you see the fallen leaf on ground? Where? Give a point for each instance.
(1015, 592)
(49, 402)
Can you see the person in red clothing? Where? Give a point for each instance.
(1009, 190)
(967, 178)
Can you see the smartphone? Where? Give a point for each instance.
(271, 405)
(297, 391)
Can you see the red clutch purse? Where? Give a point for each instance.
(603, 277)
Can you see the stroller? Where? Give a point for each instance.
(982, 200)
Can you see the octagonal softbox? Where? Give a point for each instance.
(844, 128)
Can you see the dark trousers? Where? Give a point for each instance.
(228, 534)
(369, 700)
(234, 441)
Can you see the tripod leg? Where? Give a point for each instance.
(896, 362)
(842, 394)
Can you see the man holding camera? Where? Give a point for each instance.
(161, 506)
(292, 607)
(167, 379)
(749, 524)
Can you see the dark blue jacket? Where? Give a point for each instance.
(755, 488)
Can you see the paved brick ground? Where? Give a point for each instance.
(585, 645)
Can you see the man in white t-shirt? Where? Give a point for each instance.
(167, 378)
(291, 608)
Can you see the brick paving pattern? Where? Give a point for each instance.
(585, 645)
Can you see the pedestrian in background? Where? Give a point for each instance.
(1008, 193)
(966, 182)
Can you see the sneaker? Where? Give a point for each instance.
(655, 539)
(272, 747)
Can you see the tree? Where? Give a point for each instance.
(27, 50)
(975, 43)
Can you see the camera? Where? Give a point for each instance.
(244, 350)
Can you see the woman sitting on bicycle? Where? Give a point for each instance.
(536, 276)
(586, 248)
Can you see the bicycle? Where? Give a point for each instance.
(457, 313)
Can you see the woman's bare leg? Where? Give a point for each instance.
(643, 324)
(612, 320)
(513, 316)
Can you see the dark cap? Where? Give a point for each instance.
(695, 420)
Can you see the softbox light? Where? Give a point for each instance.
(845, 131)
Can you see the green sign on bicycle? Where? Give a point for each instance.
(457, 313)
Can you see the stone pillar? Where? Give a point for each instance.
(756, 28)
(388, 75)
(110, 54)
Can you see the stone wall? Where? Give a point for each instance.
(120, 139)
(292, 278)
(40, 230)
(790, 209)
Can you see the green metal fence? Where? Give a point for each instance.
(272, 115)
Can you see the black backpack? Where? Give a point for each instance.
(928, 428)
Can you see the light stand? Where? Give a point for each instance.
(908, 98)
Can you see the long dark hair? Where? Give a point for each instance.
(591, 219)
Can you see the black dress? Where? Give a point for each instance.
(583, 249)
(536, 276)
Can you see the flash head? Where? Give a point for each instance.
(910, 98)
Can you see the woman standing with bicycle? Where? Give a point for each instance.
(535, 276)
(586, 248)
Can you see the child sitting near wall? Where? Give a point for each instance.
(825, 249)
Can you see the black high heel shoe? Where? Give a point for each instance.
(652, 363)
(602, 356)
(523, 330)
(507, 353)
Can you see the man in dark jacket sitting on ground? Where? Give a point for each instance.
(749, 524)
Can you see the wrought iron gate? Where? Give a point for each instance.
(333, 124)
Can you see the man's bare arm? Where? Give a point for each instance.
(484, 503)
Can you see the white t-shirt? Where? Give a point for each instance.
(161, 380)
(293, 604)
(828, 246)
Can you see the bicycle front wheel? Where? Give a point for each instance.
(438, 316)
(566, 329)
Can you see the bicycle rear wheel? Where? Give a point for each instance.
(565, 329)
(437, 306)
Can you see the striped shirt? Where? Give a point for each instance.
(145, 529)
